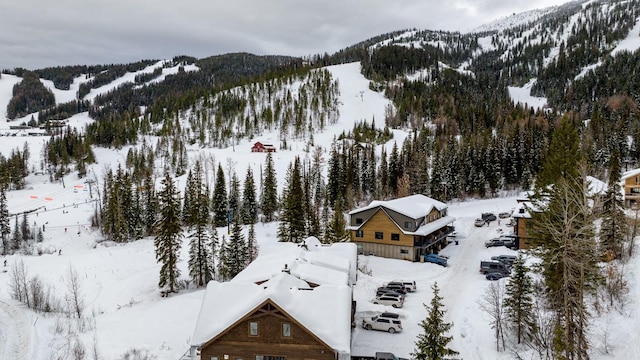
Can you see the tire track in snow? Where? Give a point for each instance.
(15, 332)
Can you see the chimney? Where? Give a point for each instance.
(286, 269)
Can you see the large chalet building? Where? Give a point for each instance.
(293, 303)
(404, 228)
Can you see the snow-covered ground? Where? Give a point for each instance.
(122, 304)
(523, 95)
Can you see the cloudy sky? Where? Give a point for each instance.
(41, 33)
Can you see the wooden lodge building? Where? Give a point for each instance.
(292, 304)
(405, 228)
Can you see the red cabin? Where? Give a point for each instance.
(260, 147)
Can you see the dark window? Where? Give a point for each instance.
(359, 233)
(395, 237)
(253, 328)
(404, 251)
(379, 235)
(358, 221)
(286, 330)
(408, 225)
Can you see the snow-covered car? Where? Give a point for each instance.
(504, 215)
(479, 222)
(382, 323)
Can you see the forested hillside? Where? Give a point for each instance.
(469, 138)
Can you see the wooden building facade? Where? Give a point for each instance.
(267, 332)
(405, 228)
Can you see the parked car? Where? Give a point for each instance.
(505, 259)
(385, 290)
(436, 259)
(382, 323)
(494, 242)
(495, 275)
(397, 286)
(493, 266)
(501, 241)
(410, 285)
(489, 217)
(504, 215)
(395, 301)
(479, 222)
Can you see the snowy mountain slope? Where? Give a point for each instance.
(122, 301)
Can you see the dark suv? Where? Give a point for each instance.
(397, 286)
(489, 217)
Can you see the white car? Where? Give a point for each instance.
(382, 323)
(387, 299)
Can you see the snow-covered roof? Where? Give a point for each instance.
(430, 227)
(629, 174)
(325, 311)
(414, 206)
(320, 264)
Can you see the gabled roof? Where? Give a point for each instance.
(422, 230)
(630, 173)
(324, 311)
(414, 206)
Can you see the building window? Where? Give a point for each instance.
(358, 221)
(408, 225)
(286, 330)
(379, 235)
(395, 237)
(404, 251)
(253, 328)
(359, 233)
(214, 358)
(259, 357)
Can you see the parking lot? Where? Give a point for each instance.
(461, 285)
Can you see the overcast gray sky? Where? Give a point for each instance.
(41, 33)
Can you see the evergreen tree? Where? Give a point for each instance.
(565, 241)
(614, 222)
(191, 190)
(5, 227)
(292, 222)
(219, 201)
(433, 343)
(335, 173)
(24, 229)
(17, 236)
(518, 302)
(235, 252)
(234, 196)
(168, 238)
(200, 268)
(252, 245)
(269, 191)
(563, 155)
(337, 228)
(223, 260)
(150, 205)
(249, 201)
